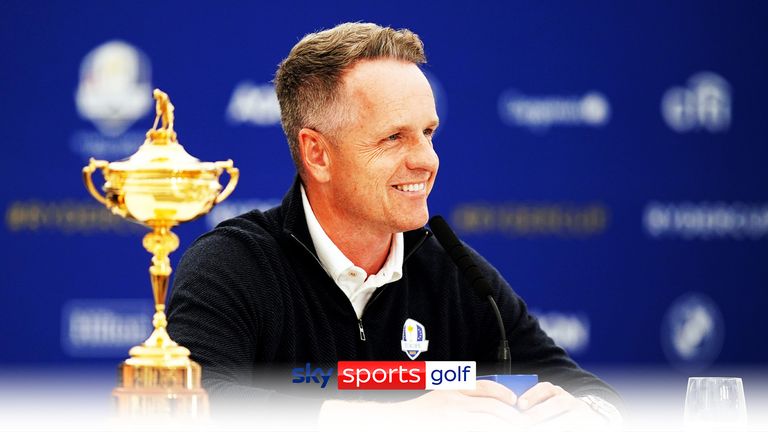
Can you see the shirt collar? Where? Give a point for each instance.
(333, 260)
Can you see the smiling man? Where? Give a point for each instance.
(344, 267)
(368, 176)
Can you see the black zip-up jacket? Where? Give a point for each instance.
(251, 295)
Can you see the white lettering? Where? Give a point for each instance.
(254, 103)
(539, 113)
(706, 220)
(704, 104)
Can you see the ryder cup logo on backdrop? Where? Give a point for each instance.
(113, 93)
(692, 332)
(414, 340)
(704, 104)
(542, 112)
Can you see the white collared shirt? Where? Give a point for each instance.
(353, 280)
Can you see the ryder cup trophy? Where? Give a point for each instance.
(160, 186)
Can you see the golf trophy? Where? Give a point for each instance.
(160, 186)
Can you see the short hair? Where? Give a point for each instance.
(307, 82)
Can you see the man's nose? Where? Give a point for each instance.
(422, 155)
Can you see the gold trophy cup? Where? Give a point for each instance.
(160, 186)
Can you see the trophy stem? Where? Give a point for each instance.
(160, 378)
(160, 242)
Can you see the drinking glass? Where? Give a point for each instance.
(715, 404)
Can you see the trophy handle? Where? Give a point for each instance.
(93, 164)
(234, 175)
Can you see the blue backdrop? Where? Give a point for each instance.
(606, 157)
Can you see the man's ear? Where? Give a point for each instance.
(314, 147)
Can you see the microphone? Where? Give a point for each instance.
(463, 260)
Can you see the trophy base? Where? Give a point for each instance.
(170, 392)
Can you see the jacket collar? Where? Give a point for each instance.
(294, 224)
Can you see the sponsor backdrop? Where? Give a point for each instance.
(606, 157)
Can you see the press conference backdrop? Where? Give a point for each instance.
(607, 157)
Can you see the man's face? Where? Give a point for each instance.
(383, 165)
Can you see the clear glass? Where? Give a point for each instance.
(715, 404)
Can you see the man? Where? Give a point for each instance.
(334, 272)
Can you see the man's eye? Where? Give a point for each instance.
(394, 137)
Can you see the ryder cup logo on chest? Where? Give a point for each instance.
(414, 340)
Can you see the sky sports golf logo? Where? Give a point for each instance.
(407, 375)
(393, 375)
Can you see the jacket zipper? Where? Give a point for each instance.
(414, 249)
(378, 292)
(359, 321)
(362, 332)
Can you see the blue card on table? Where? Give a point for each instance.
(517, 383)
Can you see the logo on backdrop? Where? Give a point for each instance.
(104, 327)
(441, 98)
(706, 220)
(570, 331)
(705, 104)
(113, 93)
(231, 208)
(542, 112)
(532, 219)
(414, 340)
(255, 104)
(692, 332)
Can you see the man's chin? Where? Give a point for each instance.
(414, 222)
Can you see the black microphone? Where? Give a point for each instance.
(477, 281)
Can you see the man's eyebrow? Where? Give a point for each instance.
(398, 128)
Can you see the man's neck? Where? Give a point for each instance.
(366, 248)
